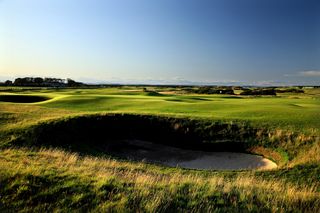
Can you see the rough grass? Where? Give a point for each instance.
(59, 180)
(48, 180)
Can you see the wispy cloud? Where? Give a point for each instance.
(310, 73)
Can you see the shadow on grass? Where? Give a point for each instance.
(22, 98)
(90, 134)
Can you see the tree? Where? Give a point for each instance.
(8, 83)
(73, 83)
(38, 81)
(18, 82)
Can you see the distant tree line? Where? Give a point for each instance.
(229, 90)
(43, 82)
(213, 90)
(290, 90)
(265, 91)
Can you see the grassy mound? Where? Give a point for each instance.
(91, 133)
(83, 133)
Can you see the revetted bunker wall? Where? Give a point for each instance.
(94, 130)
(91, 132)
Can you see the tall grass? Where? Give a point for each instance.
(52, 179)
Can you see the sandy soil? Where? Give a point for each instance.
(176, 157)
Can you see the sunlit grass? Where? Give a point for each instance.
(109, 183)
(55, 179)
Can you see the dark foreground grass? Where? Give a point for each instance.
(49, 180)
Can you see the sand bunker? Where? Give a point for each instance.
(22, 98)
(176, 157)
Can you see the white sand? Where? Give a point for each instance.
(176, 157)
(225, 161)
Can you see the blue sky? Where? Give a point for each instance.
(163, 41)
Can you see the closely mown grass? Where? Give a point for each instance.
(285, 113)
(297, 112)
(37, 178)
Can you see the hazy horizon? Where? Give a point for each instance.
(243, 42)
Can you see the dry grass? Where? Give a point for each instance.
(152, 187)
(310, 155)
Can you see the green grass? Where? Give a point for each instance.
(296, 114)
(48, 180)
(55, 179)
